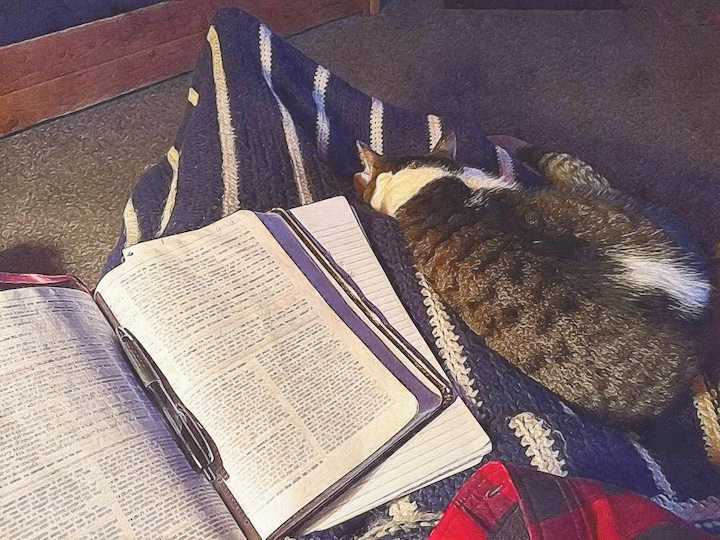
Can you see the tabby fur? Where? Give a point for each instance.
(576, 286)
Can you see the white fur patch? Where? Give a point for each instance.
(478, 179)
(689, 288)
(394, 190)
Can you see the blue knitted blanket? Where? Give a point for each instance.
(265, 126)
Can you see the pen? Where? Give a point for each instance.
(191, 436)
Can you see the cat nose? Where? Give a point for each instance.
(360, 183)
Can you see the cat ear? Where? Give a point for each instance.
(371, 160)
(373, 164)
(446, 147)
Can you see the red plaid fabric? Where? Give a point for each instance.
(506, 502)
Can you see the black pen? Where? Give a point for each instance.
(192, 437)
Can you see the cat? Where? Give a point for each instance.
(576, 286)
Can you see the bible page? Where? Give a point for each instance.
(84, 454)
(452, 442)
(292, 398)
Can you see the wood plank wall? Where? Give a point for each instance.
(66, 71)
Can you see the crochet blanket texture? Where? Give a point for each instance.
(266, 127)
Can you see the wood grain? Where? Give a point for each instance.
(94, 84)
(65, 71)
(47, 57)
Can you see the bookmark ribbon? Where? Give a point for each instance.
(7, 278)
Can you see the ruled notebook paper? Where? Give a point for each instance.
(449, 444)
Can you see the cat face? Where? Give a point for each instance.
(386, 184)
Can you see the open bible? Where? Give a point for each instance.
(229, 382)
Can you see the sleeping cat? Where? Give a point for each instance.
(575, 286)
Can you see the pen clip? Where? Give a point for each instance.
(138, 357)
(193, 438)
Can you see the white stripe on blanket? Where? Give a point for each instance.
(376, 126)
(691, 510)
(133, 235)
(291, 136)
(173, 157)
(659, 479)
(230, 201)
(320, 83)
(193, 96)
(538, 443)
(447, 341)
(435, 130)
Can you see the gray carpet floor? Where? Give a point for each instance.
(635, 92)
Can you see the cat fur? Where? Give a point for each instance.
(577, 286)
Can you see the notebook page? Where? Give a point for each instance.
(453, 441)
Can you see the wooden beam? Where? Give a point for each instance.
(66, 71)
(48, 57)
(94, 84)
